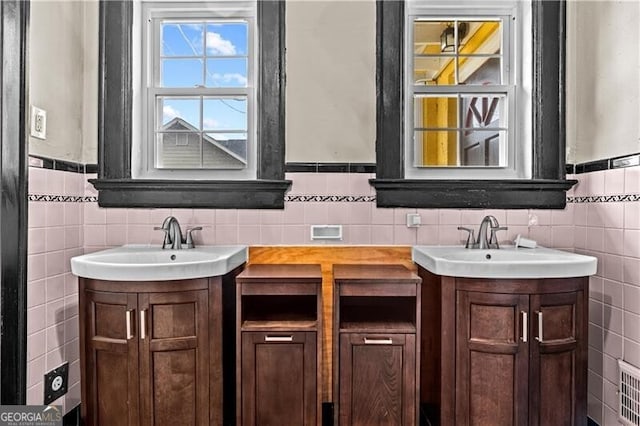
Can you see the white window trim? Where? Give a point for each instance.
(519, 97)
(142, 164)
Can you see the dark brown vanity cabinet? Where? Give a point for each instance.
(279, 341)
(151, 352)
(376, 346)
(505, 352)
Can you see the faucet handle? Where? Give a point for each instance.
(189, 239)
(493, 240)
(470, 236)
(167, 240)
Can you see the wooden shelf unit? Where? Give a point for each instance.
(376, 345)
(279, 345)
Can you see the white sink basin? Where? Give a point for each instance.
(151, 263)
(507, 262)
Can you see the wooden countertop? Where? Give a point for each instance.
(279, 271)
(374, 273)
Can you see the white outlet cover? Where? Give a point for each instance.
(38, 123)
(413, 220)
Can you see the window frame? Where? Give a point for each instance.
(510, 88)
(547, 186)
(150, 19)
(115, 184)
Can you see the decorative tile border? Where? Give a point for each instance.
(63, 198)
(330, 198)
(605, 198)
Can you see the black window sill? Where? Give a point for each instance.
(494, 194)
(228, 194)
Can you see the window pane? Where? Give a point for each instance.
(436, 44)
(483, 148)
(224, 150)
(181, 73)
(476, 70)
(181, 38)
(227, 72)
(436, 148)
(482, 37)
(178, 150)
(227, 39)
(429, 62)
(435, 111)
(484, 111)
(225, 113)
(179, 114)
(453, 148)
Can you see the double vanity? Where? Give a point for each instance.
(479, 336)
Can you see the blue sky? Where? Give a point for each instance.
(183, 65)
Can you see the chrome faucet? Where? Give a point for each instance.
(487, 238)
(173, 234)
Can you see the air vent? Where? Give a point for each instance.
(326, 232)
(629, 394)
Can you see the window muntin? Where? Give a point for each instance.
(460, 101)
(198, 103)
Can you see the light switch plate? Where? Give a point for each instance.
(38, 123)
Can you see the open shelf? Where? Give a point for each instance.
(371, 313)
(286, 312)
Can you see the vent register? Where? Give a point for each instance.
(628, 394)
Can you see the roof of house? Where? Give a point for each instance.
(236, 148)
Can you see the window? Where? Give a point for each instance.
(198, 96)
(471, 110)
(191, 109)
(461, 90)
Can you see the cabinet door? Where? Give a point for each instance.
(377, 384)
(174, 360)
(278, 379)
(111, 358)
(558, 360)
(491, 359)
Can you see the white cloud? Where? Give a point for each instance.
(230, 78)
(170, 113)
(218, 45)
(210, 123)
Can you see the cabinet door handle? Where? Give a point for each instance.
(143, 324)
(278, 338)
(128, 322)
(539, 338)
(387, 341)
(525, 327)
